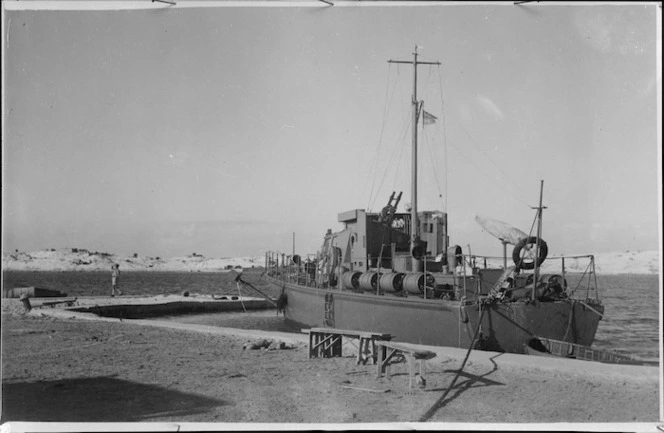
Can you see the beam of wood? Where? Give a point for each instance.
(365, 389)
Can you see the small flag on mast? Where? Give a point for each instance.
(428, 118)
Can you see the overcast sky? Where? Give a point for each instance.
(225, 130)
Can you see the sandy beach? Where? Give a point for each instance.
(60, 366)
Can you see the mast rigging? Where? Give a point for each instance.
(414, 225)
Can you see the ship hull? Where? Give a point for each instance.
(506, 327)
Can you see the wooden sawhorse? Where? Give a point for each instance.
(387, 351)
(326, 343)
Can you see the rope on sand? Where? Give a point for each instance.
(441, 401)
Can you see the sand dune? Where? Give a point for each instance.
(74, 259)
(83, 260)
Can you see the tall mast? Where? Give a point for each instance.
(540, 208)
(414, 224)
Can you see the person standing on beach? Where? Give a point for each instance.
(115, 278)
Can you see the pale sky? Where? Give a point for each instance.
(225, 130)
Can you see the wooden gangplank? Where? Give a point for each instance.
(326, 343)
(388, 350)
(68, 302)
(566, 349)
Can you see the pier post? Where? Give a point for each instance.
(25, 300)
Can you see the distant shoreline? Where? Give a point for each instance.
(82, 260)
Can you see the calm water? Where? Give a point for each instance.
(630, 325)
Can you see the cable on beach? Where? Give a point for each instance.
(441, 401)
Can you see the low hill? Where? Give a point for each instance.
(76, 259)
(628, 262)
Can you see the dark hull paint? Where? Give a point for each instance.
(505, 327)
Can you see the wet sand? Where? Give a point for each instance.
(60, 366)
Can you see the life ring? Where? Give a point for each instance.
(528, 262)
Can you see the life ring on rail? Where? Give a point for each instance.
(522, 252)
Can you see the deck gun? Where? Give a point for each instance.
(386, 215)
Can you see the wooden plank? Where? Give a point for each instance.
(64, 301)
(418, 354)
(365, 389)
(349, 332)
(323, 341)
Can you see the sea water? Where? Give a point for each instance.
(630, 325)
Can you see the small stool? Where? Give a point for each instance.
(367, 350)
(388, 350)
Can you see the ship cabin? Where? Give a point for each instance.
(373, 250)
(380, 241)
(374, 253)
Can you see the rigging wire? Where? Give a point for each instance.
(472, 140)
(400, 139)
(397, 147)
(432, 159)
(399, 159)
(396, 158)
(432, 149)
(386, 110)
(426, 83)
(442, 116)
(479, 170)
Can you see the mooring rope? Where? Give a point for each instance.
(438, 404)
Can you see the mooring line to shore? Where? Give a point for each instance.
(440, 402)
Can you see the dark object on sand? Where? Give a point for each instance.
(26, 302)
(32, 292)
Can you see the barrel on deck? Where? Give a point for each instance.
(369, 281)
(392, 281)
(414, 282)
(351, 280)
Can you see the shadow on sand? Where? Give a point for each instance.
(460, 388)
(97, 399)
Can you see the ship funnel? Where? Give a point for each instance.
(419, 250)
(454, 256)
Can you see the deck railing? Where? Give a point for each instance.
(304, 270)
(292, 269)
(588, 279)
